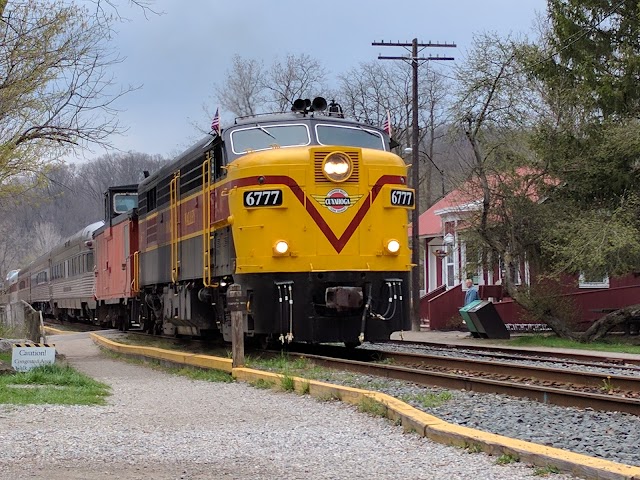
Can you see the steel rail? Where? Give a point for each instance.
(595, 380)
(606, 357)
(550, 395)
(548, 374)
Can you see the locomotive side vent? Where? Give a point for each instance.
(319, 156)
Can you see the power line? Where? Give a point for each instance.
(415, 61)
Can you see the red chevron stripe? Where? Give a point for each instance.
(338, 243)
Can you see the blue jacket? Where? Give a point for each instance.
(471, 295)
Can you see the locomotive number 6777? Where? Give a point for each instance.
(306, 211)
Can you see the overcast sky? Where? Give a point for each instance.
(177, 57)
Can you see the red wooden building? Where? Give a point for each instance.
(444, 260)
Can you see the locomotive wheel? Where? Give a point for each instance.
(265, 342)
(147, 325)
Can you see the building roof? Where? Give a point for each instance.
(430, 222)
(522, 181)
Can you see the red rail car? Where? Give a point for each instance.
(115, 246)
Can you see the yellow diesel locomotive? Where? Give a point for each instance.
(306, 211)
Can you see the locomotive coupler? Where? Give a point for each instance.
(343, 298)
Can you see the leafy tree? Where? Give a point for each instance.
(56, 93)
(593, 147)
(595, 49)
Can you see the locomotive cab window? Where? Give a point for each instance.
(123, 202)
(349, 136)
(265, 137)
(218, 161)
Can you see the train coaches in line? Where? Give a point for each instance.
(39, 293)
(61, 283)
(306, 211)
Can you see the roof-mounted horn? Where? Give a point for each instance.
(319, 104)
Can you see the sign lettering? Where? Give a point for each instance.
(262, 198)
(27, 356)
(402, 198)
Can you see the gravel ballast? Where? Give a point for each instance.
(161, 426)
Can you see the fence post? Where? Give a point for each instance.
(43, 333)
(236, 303)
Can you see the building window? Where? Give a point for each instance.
(593, 281)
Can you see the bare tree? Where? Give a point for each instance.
(491, 108)
(114, 169)
(13, 245)
(45, 238)
(372, 89)
(104, 8)
(243, 92)
(252, 88)
(296, 77)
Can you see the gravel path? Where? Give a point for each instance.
(162, 426)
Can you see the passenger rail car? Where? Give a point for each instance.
(306, 211)
(60, 283)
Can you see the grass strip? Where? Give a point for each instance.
(52, 384)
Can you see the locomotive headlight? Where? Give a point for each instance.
(393, 246)
(280, 248)
(337, 167)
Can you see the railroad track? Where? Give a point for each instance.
(547, 385)
(508, 352)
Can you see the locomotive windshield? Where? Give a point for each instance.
(349, 136)
(123, 202)
(261, 137)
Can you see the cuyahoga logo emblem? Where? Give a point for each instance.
(337, 200)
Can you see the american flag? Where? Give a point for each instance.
(215, 124)
(386, 126)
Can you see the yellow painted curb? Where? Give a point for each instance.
(411, 418)
(192, 359)
(55, 331)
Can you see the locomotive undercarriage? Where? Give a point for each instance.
(179, 309)
(122, 314)
(348, 307)
(314, 307)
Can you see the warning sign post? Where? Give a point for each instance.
(26, 356)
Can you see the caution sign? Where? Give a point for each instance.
(26, 356)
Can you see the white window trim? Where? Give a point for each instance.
(584, 284)
(254, 127)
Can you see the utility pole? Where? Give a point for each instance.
(415, 61)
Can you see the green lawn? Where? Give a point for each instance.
(52, 384)
(611, 343)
